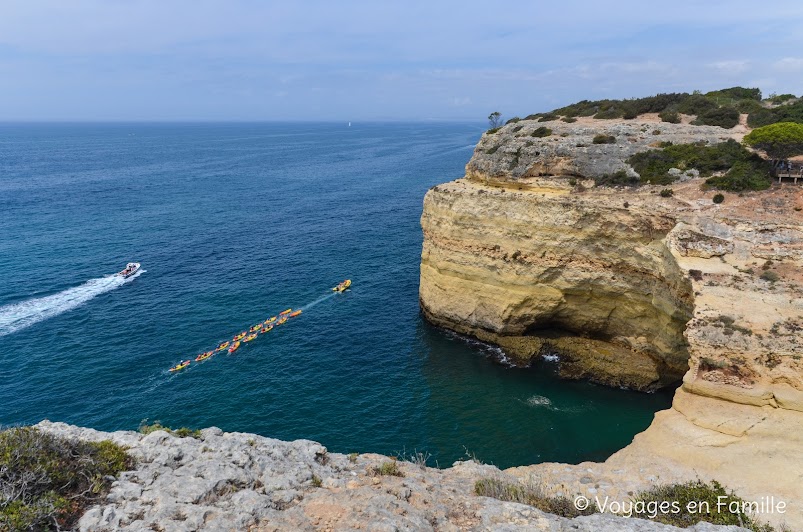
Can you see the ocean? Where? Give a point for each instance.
(233, 223)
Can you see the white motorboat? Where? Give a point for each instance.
(130, 269)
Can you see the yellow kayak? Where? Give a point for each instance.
(250, 337)
(255, 328)
(271, 320)
(234, 347)
(281, 321)
(285, 312)
(180, 366)
(204, 356)
(222, 346)
(266, 329)
(239, 337)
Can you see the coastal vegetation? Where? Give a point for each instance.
(183, 432)
(716, 108)
(735, 167)
(697, 501)
(779, 141)
(529, 493)
(46, 482)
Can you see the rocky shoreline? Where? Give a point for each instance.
(635, 287)
(239, 481)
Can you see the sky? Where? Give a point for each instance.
(179, 60)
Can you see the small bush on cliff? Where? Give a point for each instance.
(542, 131)
(388, 468)
(718, 198)
(604, 139)
(696, 501)
(182, 432)
(743, 175)
(669, 116)
(617, 179)
(667, 193)
(46, 481)
(530, 494)
(725, 117)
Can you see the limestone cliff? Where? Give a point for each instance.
(632, 288)
(236, 481)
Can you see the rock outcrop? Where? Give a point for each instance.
(632, 288)
(237, 481)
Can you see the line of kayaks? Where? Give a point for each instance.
(251, 334)
(240, 338)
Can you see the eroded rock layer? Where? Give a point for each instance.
(594, 280)
(634, 287)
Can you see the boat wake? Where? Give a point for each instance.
(319, 300)
(17, 316)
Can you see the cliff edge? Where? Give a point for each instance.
(634, 286)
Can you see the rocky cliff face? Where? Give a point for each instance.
(635, 289)
(235, 481)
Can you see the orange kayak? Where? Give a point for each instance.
(234, 347)
(294, 314)
(285, 312)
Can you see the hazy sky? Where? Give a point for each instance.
(374, 60)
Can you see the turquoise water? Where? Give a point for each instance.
(232, 224)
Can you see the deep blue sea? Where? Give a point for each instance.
(233, 223)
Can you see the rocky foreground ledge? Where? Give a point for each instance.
(238, 481)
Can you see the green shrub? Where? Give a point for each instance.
(712, 504)
(569, 119)
(388, 468)
(770, 276)
(784, 113)
(47, 481)
(604, 139)
(753, 174)
(725, 117)
(667, 193)
(541, 132)
(718, 198)
(492, 150)
(513, 120)
(493, 130)
(696, 104)
(744, 175)
(530, 494)
(669, 116)
(182, 432)
(610, 113)
(548, 116)
(733, 94)
(618, 178)
(781, 98)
